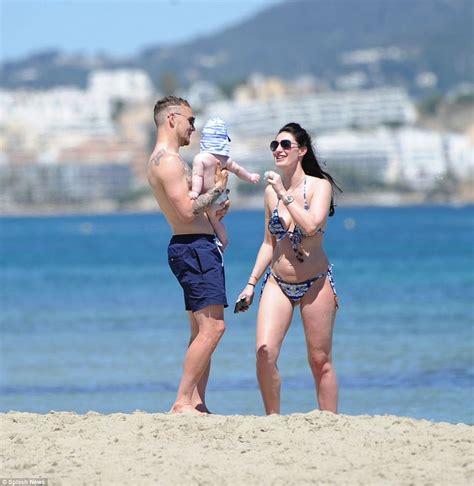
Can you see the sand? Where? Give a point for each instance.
(314, 448)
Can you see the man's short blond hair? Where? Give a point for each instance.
(164, 103)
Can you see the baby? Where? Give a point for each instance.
(215, 147)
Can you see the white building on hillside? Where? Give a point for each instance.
(121, 84)
(201, 93)
(369, 154)
(60, 109)
(318, 112)
(418, 158)
(48, 121)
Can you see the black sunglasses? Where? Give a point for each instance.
(285, 145)
(191, 119)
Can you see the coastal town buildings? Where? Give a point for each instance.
(318, 112)
(414, 157)
(132, 85)
(68, 145)
(67, 184)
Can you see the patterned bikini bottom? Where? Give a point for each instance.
(296, 291)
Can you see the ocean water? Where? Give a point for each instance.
(92, 318)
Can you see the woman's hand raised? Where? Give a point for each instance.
(274, 180)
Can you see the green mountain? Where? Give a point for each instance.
(384, 41)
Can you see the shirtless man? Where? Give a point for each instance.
(193, 255)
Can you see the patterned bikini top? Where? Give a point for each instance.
(277, 228)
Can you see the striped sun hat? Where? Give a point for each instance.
(214, 137)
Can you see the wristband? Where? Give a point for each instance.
(253, 285)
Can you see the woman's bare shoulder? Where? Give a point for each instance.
(318, 183)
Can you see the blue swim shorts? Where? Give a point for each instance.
(197, 263)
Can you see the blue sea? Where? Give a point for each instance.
(92, 318)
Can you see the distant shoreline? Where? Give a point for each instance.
(101, 211)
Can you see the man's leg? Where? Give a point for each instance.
(199, 394)
(210, 322)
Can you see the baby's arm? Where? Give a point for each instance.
(198, 177)
(241, 173)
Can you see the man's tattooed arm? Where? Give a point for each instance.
(205, 200)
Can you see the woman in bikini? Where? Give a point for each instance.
(295, 267)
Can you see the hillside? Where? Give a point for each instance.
(399, 38)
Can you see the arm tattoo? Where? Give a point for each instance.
(205, 200)
(155, 160)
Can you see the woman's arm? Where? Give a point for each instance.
(264, 255)
(308, 220)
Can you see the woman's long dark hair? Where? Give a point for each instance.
(310, 163)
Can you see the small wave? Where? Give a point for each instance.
(454, 378)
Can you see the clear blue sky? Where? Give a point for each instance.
(115, 27)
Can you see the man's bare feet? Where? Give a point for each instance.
(202, 408)
(187, 409)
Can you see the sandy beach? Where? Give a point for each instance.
(313, 448)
